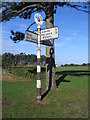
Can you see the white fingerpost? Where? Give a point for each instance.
(39, 22)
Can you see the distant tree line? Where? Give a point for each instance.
(22, 59)
(72, 64)
(0, 60)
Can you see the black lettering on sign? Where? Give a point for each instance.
(29, 34)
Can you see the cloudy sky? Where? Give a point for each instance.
(70, 47)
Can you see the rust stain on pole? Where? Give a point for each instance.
(38, 48)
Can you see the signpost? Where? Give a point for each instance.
(45, 37)
(32, 37)
(38, 56)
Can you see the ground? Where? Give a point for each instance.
(69, 100)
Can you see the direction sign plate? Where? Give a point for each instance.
(32, 37)
(50, 33)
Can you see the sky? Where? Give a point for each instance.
(70, 47)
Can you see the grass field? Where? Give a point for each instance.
(69, 100)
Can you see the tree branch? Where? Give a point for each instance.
(79, 7)
(11, 11)
(25, 8)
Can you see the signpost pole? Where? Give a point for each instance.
(39, 22)
(42, 36)
(38, 66)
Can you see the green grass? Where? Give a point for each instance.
(26, 72)
(72, 68)
(70, 100)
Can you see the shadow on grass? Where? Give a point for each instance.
(45, 94)
(61, 79)
(50, 61)
(71, 73)
(64, 74)
(74, 72)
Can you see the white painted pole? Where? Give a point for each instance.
(39, 22)
(38, 67)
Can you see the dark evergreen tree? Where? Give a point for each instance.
(8, 59)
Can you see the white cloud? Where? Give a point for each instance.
(9, 46)
(22, 26)
(73, 46)
(74, 34)
(60, 44)
(66, 38)
(4, 32)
